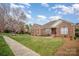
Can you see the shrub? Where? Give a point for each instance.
(7, 31)
(75, 38)
(77, 32)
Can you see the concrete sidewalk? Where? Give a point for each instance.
(19, 49)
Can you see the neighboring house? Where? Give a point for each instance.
(54, 28)
(77, 29)
(36, 30)
(77, 26)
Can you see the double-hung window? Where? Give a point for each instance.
(64, 30)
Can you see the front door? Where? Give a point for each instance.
(53, 31)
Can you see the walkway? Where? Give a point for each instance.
(19, 49)
(68, 49)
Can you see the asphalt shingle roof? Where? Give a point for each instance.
(51, 24)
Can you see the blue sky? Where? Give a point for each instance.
(41, 13)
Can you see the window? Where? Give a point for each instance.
(48, 31)
(64, 30)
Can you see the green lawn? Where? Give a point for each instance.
(4, 48)
(42, 45)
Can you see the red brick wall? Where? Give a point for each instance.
(77, 26)
(71, 29)
(36, 31)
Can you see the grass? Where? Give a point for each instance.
(4, 48)
(42, 45)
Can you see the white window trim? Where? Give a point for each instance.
(64, 30)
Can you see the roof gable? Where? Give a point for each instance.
(52, 23)
(36, 26)
(55, 23)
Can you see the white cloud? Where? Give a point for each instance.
(13, 5)
(28, 16)
(60, 13)
(29, 11)
(45, 4)
(63, 8)
(20, 5)
(41, 17)
(52, 18)
(69, 10)
(27, 4)
(16, 6)
(76, 6)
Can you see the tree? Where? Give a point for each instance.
(12, 19)
(29, 27)
(19, 16)
(4, 9)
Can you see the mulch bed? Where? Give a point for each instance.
(68, 49)
(77, 49)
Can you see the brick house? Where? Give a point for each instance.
(54, 28)
(36, 30)
(77, 29)
(77, 26)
